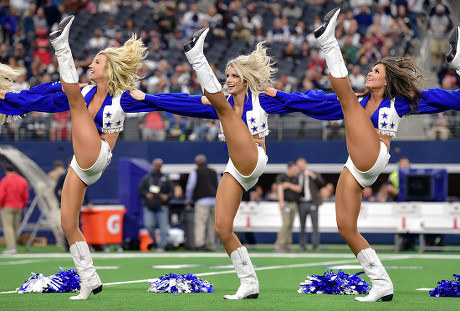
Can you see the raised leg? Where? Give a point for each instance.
(453, 52)
(85, 137)
(362, 141)
(241, 146)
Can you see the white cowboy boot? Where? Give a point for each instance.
(382, 287)
(325, 35)
(89, 279)
(60, 42)
(453, 52)
(249, 288)
(194, 53)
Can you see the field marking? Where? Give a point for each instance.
(301, 265)
(219, 255)
(223, 254)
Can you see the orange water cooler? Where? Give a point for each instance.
(103, 224)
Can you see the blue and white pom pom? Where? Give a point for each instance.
(338, 284)
(61, 282)
(180, 283)
(447, 288)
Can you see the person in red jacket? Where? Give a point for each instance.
(14, 196)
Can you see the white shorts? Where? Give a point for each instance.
(366, 179)
(90, 175)
(247, 182)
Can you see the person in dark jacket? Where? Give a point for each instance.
(201, 189)
(156, 190)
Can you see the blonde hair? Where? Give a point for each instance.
(7, 77)
(122, 65)
(256, 68)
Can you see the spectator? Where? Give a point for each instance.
(52, 13)
(156, 190)
(309, 203)
(288, 197)
(153, 128)
(111, 29)
(36, 126)
(368, 195)
(97, 41)
(201, 190)
(61, 126)
(280, 32)
(272, 194)
(177, 126)
(42, 47)
(14, 196)
(58, 169)
(440, 129)
(439, 26)
(357, 79)
(40, 21)
(108, 6)
(327, 193)
(291, 10)
(192, 20)
(9, 22)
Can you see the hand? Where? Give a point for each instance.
(311, 174)
(82, 85)
(137, 95)
(269, 91)
(205, 101)
(2, 94)
(163, 197)
(149, 196)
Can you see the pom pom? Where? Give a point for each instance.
(61, 282)
(180, 283)
(447, 288)
(330, 283)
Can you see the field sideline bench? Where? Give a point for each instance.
(419, 218)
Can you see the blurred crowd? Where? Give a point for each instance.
(367, 30)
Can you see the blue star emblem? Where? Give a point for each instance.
(384, 115)
(254, 128)
(384, 124)
(253, 120)
(392, 125)
(108, 115)
(264, 125)
(118, 122)
(108, 124)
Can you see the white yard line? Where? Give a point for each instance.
(219, 255)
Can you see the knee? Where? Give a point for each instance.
(67, 226)
(222, 232)
(346, 230)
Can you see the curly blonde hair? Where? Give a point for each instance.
(257, 68)
(122, 65)
(7, 77)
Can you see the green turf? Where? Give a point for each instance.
(279, 281)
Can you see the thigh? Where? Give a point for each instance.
(7, 216)
(149, 218)
(347, 201)
(228, 199)
(73, 193)
(303, 211)
(17, 213)
(163, 217)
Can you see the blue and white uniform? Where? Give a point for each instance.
(109, 119)
(385, 119)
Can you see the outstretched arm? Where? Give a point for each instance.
(180, 103)
(314, 103)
